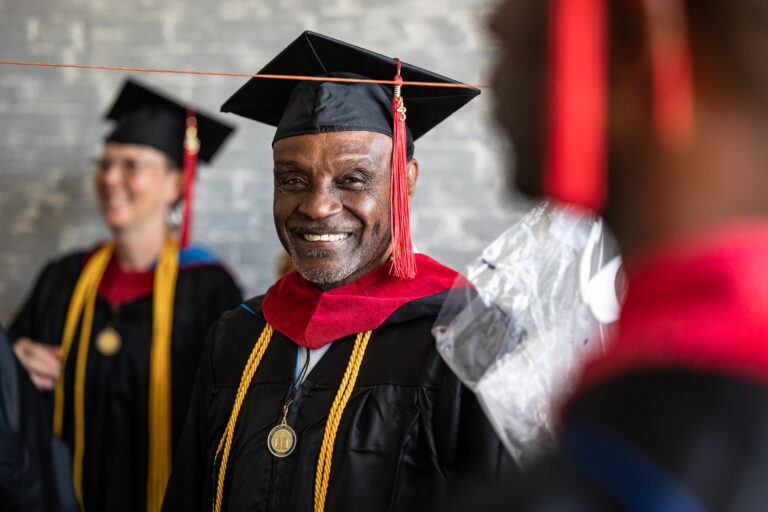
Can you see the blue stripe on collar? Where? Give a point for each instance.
(251, 311)
(623, 471)
(248, 309)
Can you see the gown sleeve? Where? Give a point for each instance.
(221, 294)
(203, 296)
(472, 453)
(481, 454)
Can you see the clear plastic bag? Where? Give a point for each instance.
(544, 299)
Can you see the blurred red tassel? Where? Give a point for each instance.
(403, 261)
(673, 110)
(191, 148)
(574, 166)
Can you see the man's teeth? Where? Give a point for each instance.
(325, 237)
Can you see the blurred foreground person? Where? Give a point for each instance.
(34, 465)
(327, 393)
(116, 331)
(675, 415)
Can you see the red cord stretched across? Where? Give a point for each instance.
(247, 75)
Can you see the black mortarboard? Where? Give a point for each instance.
(297, 108)
(147, 117)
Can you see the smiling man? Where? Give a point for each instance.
(328, 392)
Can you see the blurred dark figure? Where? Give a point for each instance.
(675, 415)
(34, 466)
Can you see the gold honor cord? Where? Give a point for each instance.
(331, 427)
(83, 301)
(159, 413)
(334, 418)
(242, 390)
(84, 295)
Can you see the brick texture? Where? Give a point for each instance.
(51, 127)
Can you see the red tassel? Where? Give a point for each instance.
(403, 261)
(191, 148)
(574, 169)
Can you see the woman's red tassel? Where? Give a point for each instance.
(191, 148)
(403, 261)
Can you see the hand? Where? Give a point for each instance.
(41, 361)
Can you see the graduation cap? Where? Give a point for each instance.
(145, 116)
(149, 118)
(298, 107)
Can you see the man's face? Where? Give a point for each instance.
(331, 203)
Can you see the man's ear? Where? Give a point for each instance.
(413, 175)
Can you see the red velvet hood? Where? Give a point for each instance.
(313, 318)
(699, 303)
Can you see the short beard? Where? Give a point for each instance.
(322, 278)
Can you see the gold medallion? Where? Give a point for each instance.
(109, 342)
(282, 439)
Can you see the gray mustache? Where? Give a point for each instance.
(321, 229)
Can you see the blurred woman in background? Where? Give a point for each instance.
(113, 334)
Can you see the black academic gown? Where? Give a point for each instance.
(117, 386)
(670, 439)
(409, 430)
